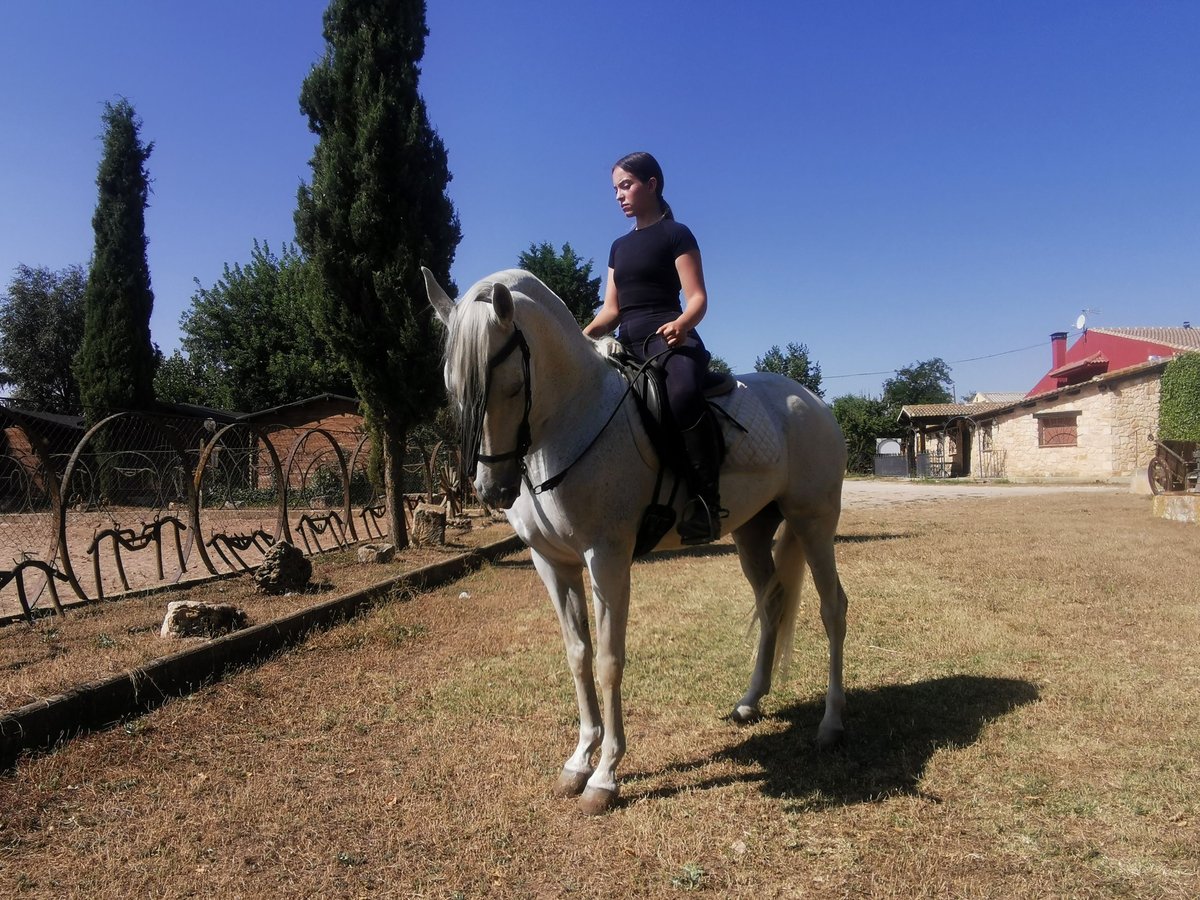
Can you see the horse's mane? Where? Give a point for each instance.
(467, 347)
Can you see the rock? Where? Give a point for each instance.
(429, 525)
(191, 618)
(376, 553)
(283, 569)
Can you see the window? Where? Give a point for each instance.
(1058, 431)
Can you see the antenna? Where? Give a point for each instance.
(1081, 322)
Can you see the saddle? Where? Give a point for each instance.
(647, 384)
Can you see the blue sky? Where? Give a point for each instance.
(883, 181)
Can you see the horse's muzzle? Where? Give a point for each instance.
(498, 493)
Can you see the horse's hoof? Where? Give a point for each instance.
(744, 715)
(571, 783)
(597, 801)
(828, 739)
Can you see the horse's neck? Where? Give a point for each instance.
(575, 393)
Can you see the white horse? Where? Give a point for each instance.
(540, 398)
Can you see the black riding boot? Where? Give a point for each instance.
(701, 520)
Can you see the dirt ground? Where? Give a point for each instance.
(28, 535)
(98, 640)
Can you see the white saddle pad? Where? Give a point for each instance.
(760, 446)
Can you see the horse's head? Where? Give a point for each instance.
(487, 379)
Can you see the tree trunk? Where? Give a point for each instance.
(393, 437)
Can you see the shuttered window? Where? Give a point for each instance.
(1058, 431)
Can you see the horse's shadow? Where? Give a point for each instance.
(891, 733)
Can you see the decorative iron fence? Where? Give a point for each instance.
(141, 500)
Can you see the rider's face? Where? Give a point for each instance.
(637, 198)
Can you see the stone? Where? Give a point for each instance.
(1183, 508)
(429, 525)
(283, 569)
(376, 553)
(191, 618)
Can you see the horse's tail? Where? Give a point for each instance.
(783, 594)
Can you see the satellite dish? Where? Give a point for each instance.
(1080, 322)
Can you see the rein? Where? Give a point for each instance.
(472, 434)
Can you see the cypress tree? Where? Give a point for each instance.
(376, 211)
(116, 361)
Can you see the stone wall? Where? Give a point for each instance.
(1114, 419)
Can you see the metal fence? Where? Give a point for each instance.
(141, 500)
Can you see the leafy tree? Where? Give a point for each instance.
(115, 364)
(717, 364)
(863, 419)
(795, 364)
(377, 210)
(249, 339)
(567, 275)
(41, 325)
(922, 382)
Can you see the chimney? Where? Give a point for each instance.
(1058, 349)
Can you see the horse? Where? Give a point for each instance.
(555, 442)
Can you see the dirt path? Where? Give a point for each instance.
(875, 493)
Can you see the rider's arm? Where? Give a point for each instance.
(609, 314)
(691, 278)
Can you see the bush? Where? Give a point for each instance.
(1179, 407)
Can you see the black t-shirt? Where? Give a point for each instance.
(643, 264)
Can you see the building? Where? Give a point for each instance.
(1091, 417)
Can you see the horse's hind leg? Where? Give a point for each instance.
(753, 542)
(818, 538)
(565, 585)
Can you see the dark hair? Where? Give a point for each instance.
(642, 166)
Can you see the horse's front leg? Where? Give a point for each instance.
(564, 581)
(610, 596)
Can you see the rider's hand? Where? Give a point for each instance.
(672, 333)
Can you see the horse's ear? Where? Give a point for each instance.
(441, 303)
(502, 303)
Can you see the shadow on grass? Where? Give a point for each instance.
(891, 733)
(868, 538)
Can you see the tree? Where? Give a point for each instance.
(377, 210)
(717, 364)
(249, 339)
(862, 420)
(115, 364)
(180, 379)
(41, 325)
(795, 364)
(922, 382)
(567, 275)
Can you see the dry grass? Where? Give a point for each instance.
(1022, 723)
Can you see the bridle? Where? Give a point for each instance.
(472, 431)
(473, 425)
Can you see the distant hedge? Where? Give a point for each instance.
(1179, 407)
